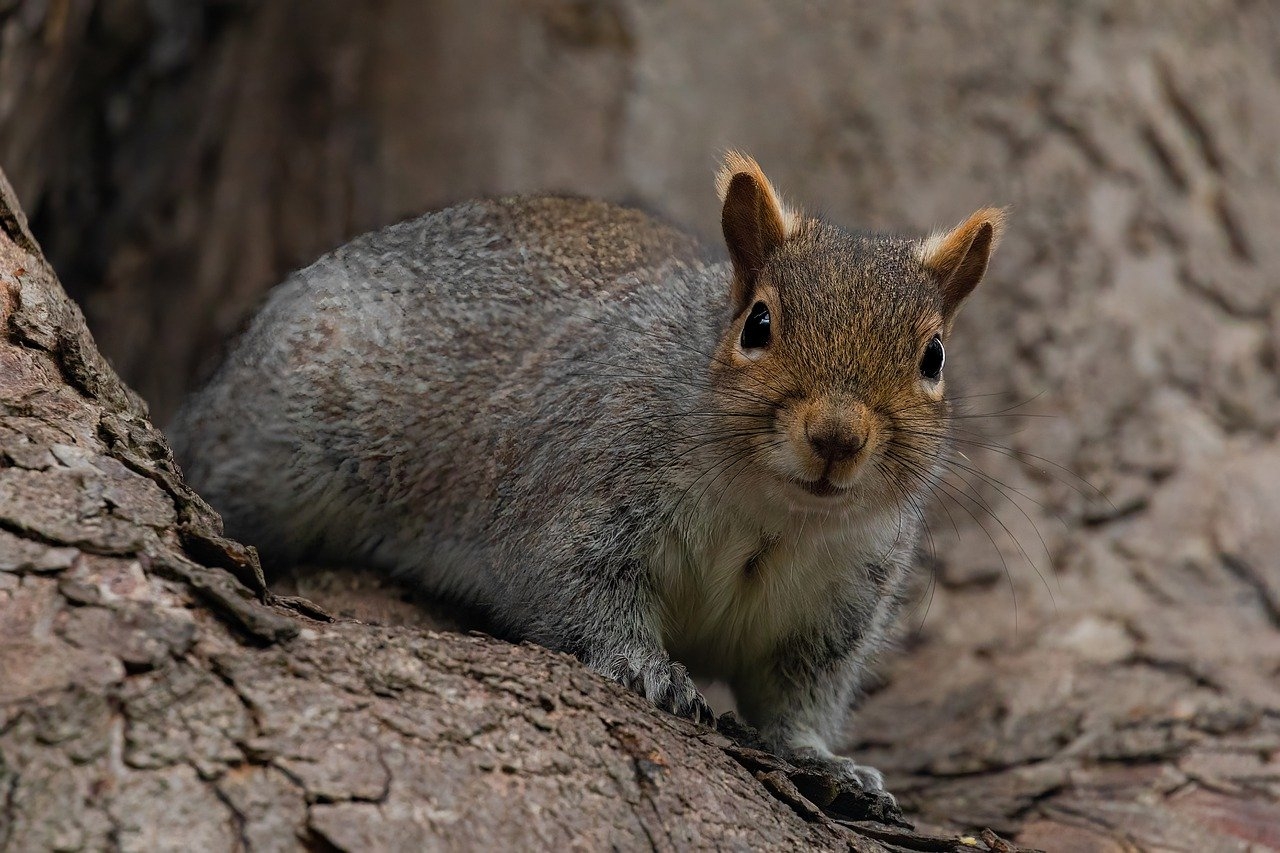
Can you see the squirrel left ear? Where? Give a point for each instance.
(958, 258)
(754, 219)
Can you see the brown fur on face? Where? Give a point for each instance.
(851, 315)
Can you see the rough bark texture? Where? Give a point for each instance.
(1099, 673)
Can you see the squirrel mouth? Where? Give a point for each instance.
(822, 487)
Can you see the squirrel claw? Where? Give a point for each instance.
(669, 686)
(863, 776)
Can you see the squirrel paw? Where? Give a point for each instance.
(863, 776)
(667, 685)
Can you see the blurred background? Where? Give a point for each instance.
(1109, 562)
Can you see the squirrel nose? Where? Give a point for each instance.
(835, 445)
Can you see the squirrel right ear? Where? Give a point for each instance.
(754, 219)
(958, 258)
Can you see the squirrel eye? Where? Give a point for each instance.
(933, 359)
(755, 332)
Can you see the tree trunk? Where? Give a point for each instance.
(1094, 662)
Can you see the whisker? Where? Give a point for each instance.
(959, 498)
(1021, 456)
(1015, 540)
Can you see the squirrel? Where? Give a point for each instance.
(570, 416)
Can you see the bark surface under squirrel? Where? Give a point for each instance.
(568, 415)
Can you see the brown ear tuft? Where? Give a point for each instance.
(959, 257)
(754, 219)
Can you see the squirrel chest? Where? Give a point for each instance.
(733, 589)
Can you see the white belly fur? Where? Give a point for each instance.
(720, 620)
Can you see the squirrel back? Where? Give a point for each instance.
(567, 414)
(444, 326)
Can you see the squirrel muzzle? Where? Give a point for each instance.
(831, 438)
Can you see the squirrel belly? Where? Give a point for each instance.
(563, 413)
(736, 591)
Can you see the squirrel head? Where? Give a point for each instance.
(834, 356)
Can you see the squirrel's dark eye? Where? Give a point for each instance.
(755, 332)
(932, 360)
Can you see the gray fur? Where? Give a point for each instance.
(515, 403)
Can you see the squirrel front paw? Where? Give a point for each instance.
(667, 685)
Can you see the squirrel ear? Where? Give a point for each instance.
(754, 219)
(959, 257)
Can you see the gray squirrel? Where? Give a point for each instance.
(564, 413)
